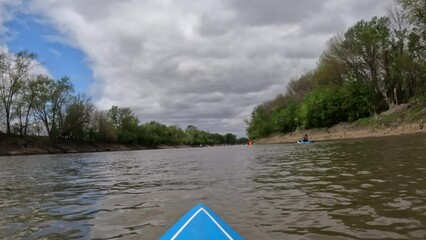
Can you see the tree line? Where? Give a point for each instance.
(371, 67)
(37, 105)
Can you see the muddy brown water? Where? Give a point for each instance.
(357, 189)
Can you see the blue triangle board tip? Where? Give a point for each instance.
(201, 223)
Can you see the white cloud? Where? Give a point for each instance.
(7, 10)
(206, 63)
(36, 68)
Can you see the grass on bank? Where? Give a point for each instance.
(394, 117)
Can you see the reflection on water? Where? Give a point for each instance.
(360, 189)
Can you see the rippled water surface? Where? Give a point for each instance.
(359, 189)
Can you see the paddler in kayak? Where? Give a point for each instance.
(305, 138)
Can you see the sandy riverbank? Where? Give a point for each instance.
(345, 131)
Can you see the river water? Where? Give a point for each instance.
(355, 189)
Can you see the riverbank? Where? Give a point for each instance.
(403, 119)
(13, 145)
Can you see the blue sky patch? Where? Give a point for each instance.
(61, 60)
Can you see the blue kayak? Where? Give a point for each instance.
(200, 223)
(304, 142)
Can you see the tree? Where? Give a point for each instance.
(330, 70)
(177, 135)
(125, 122)
(242, 140)
(417, 12)
(120, 116)
(24, 106)
(260, 123)
(299, 88)
(357, 100)
(153, 134)
(322, 108)
(285, 118)
(101, 128)
(367, 45)
(230, 138)
(50, 102)
(399, 61)
(77, 119)
(13, 70)
(192, 135)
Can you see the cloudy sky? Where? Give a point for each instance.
(206, 63)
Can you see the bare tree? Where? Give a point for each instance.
(25, 105)
(13, 70)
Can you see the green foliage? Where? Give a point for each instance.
(363, 122)
(260, 124)
(123, 118)
(299, 88)
(153, 134)
(285, 118)
(366, 45)
(14, 69)
(176, 135)
(50, 102)
(322, 108)
(125, 124)
(127, 137)
(330, 71)
(230, 138)
(77, 119)
(101, 129)
(242, 140)
(417, 12)
(357, 100)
